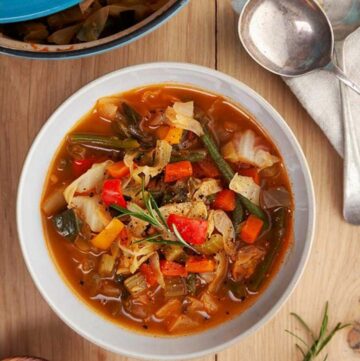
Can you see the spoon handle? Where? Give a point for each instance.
(351, 196)
(332, 68)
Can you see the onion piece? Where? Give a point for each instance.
(220, 273)
(54, 202)
(275, 197)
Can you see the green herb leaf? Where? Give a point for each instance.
(322, 340)
(158, 238)
(182, 240)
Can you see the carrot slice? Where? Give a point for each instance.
(118, 170)
(149, 274)
(207, 168)
(199, 265)
(251, 229)
(169, 268)
(178, 170)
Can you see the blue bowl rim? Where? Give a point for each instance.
(136, 34)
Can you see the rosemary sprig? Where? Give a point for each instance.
(138, 213)
(154, 217)
(320, 341)
(159, 240)
(182, 240)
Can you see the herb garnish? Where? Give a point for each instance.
(154, 217)
(318, 342)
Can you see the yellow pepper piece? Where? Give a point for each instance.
(108, 235)
(174, 135)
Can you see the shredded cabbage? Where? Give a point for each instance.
(242, 148)
(220, 273)
(91, 211)
(181, 115)
(246, 187)
(224, 225)
(211, 223)
(162, 158)
(92, 179)
(190, 209)
(206, 188)
(139, 253)
(155, 264)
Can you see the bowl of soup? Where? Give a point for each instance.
(92, 27)
(165, 211)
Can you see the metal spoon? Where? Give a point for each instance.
(345, 19)
(289, 37)
(294, 37)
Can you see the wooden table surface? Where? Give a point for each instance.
(203, 33)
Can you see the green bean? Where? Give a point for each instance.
(228, 173)
(103, 141)
(238, 289)
(255, 210)
(278, 232)
(213, 150)
(238, 213)
(131, 114)
(192, 157)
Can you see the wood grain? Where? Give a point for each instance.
(203, 33)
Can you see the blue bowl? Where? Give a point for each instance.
(43, 51)
(19, 10)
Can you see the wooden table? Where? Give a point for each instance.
(204, 33)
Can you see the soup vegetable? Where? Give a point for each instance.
(89, 21)
(167, 209)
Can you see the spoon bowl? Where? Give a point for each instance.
(286, 38)
(289, 37)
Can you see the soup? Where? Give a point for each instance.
(89, 21)
(167, 209)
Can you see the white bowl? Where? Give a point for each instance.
(69, 307)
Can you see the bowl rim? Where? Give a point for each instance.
(157, 19)
(304, 169)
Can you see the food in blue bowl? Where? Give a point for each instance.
(92, 27)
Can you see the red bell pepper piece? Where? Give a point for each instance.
(80, 166)
(193, 230)
(225, 200)
(250, 172)
(112, 193)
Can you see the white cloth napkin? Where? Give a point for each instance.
(319, 92)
